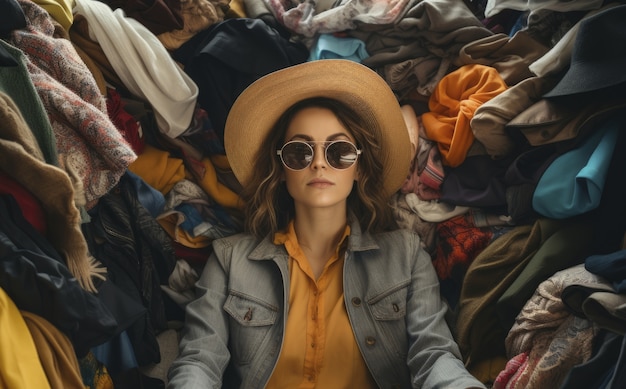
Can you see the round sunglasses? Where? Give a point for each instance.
(298, 155)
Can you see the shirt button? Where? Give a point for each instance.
(370, 340)
(396, 308)
(356, 301)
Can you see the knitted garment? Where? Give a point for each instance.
(93, 148)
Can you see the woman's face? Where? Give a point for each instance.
(318, 185)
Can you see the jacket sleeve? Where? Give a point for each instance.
(433, 357)
(203, 350)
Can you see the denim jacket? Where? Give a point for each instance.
(234, 330)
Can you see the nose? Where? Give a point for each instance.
(319, 156)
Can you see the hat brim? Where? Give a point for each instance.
(589, 77)
(257, 109)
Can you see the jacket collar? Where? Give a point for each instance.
(357, 241)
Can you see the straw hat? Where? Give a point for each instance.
(257, 109)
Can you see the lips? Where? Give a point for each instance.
(320, 183)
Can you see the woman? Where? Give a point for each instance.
(321, 291)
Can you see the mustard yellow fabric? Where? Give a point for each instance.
(237, 9)
(162, 171)
(158, 168)
(319, 348)
(59, 10)
(56, 353)
(19, 362)
(219, 192)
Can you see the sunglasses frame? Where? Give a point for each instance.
(327, 144)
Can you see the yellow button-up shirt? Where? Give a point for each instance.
(319, 349)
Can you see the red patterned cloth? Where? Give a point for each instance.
(459, 241)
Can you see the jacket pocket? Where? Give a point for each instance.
(390, 305)
(389, 311)
(250, 324)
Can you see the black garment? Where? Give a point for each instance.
(158, 16)
(609, 219)
(139, 257)
(227, 57)
(35, 277)
(521, 179)
(477, 182)
(11, 17)
(606, 369)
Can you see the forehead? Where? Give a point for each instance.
(316, 123)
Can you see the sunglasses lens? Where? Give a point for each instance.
(341, 155)
(297, 155)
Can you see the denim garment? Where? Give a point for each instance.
(234, 330)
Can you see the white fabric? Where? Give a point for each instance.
(432, 210)
(143, 64)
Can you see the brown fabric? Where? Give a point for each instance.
(198, 15)
(490, 119)
(550, 121)
(20, 158)
(510, 56)
(56, 353)
(158, 16)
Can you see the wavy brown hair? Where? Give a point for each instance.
(268, 205)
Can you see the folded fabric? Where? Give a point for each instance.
(329, 46)
(574, 181)
(611, 266)
(509, 55)
(21, 367)
(158, 168)
(597, 300)
(608, 310)
(432, 210)
(143, 65)
(491, 118)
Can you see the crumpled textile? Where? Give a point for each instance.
(92, 146)
(452, 106)
(306, 18)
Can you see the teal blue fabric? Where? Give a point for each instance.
(329, 46)
(574, 181)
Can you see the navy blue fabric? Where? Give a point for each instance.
(226, 58)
